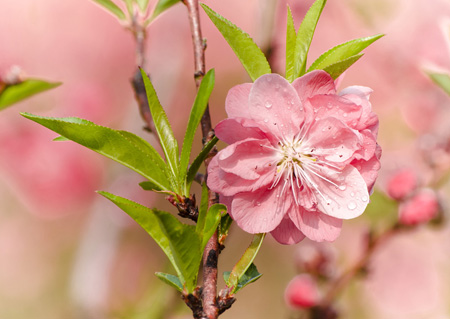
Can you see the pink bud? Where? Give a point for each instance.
(302, 292)
(401, 184)
(420, 208)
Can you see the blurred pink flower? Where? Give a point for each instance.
(301, 158)
(302, 292)
(420, 208)
(401, 184)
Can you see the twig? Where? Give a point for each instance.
(210, 257)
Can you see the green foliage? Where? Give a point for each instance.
(304, 37)
(161, 6)
(199, 107)
(290, 45)
(342, 52)
(167, 139)
(338, 68)
(442, 80)
(224, 227)
(143, 4)
(120, 146)
(18, 92)
(193, 169)
(180, 242)
(171, 280)
(207, 223)
(112, 7)
(239, 270)
(250, 275)
(250, 55)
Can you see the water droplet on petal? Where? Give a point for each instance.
(266, 120)
(342, 187)
(258, 204)
(345, 114)
(351, 206)
(364, 198)
(268, 104)
(352, 194)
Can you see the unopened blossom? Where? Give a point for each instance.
(301, 157)
(401, 184)
(302, 292)
(419, 208)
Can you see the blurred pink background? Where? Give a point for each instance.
(66, 252)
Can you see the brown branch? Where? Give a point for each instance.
(211, 253)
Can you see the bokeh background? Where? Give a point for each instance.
(66, 252)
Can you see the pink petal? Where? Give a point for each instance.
(275, 104)
(361, 91)
(332, 140)
(232, 130)
(337, 107)
(236, 103)
(369, 145)
(228, 184)
(314, 83)
(260, 211)
(369, 169)
(287, 233)
(248, 159)
(315, 225)
(346, 201)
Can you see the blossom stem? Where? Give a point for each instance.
(211, 253)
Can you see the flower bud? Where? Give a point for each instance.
(420, 208)
(302, 292)
(401, 184)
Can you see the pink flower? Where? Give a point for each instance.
(420, 208)
(302, 292)
(301, 157)
(402, 184)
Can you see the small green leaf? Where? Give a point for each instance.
(165, 133)
(18, 92)
(171, 280)
(244, 263)
(129, 4)
(161, 6)
(193, 169)
(442, 80)
(342, 52)
(224, 227)
(207, 223)
(304, 37)
(338, 68)
(120, 146)
(199, 107)
(290, 45)
(251, 275)
(250, 55)
(180, 242)
(112, 7)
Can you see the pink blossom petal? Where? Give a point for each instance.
(275, 104)
(401, 184)
(248, 159)
(337, 107)
(302, 292)
(420, 208)
(361, 91)
(369, 145)
(368, 169)
(228, 184)
(236, 103)
(315, 225)
(332, 140)
(348, 199)
(232, 130)
(314, 83)
(287, 233)
(260, 211)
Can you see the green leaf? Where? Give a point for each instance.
(199, 107)
(338, 68)
(250, 55)
(244, 263)
(193, 169)
(165, 133)
(18, 92)
(342, 52)
(179, 241)
(129, 4)
(112, 7)
(207, 223)
(120, 146)
(442, 80)
(251, 275)
(304, 37)
(161, 6)
(290, 45)
(171, 280)
(224, 227)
